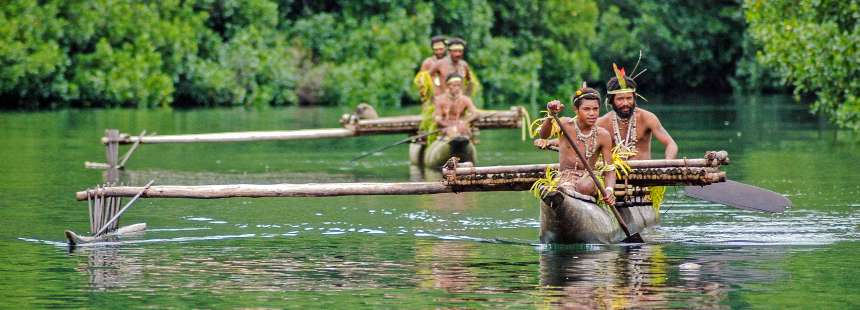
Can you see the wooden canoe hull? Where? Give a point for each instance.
(568, 218)
(437, 153)
(416, 154)
(75, 239)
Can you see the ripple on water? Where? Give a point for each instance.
(716, 224)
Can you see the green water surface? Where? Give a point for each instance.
(449, 251)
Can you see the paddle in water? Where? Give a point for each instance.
(741, 196)
(634, 238)
(408, 139)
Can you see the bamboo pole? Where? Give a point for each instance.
(297, 190)
(240, 136)
(92, 216)
(540, 168)
(131, 150)
(383, 125)
(112, 155)
(95, 165)
(112, 222)
(277, 190)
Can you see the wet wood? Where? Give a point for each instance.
(112, 155)
(131, 150)
(112, 222)
(75, 239)
(95, 165)
(317, 190)
(541, 168)
(239, 136)
(275, 190)
(511, 118)
(353, 126)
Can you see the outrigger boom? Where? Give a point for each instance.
(456, 179)
(352, 126)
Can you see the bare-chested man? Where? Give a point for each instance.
(454, 111)
(437, 43)
(424, 82)
(454, 63)
(630, 126)
(590, 139)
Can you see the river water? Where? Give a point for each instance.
(453, 250)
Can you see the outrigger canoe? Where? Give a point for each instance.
(437, 153)
(569, 217)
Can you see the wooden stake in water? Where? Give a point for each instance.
(90, 208)
(112, 221)
(112, 155)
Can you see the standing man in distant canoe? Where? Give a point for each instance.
(454, 111)
(632, 127)
(426, 86)
(590, 139)
(423, 81)
(454, 63)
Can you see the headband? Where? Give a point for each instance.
(621, 76)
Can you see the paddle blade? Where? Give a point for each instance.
(740, 195)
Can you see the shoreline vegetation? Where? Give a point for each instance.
(256, 53)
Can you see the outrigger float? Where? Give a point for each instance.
(566, 217)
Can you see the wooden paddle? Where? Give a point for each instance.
(634, 238)
(740, 195)
(411, 138)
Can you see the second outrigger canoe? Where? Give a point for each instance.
(437, 153)
(569, 217)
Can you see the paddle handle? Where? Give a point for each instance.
(590, 172)
(411, 138)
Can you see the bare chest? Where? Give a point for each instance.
(450, 67)
(453, 109)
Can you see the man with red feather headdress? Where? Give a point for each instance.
(632, 127)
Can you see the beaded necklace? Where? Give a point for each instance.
(590, 146)
(629, 142)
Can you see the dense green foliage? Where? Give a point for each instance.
(815, 46)
(268, 52)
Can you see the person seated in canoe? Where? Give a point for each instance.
(454, 63)
(454, 111)
(590, 139)
(632, 127)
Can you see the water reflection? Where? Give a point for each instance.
(444, 265)
(624, 277)
(108, 267)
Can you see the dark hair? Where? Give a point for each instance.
(453, 75)
(439, 38)
(453, 41)
(587, 93)
(613, 85)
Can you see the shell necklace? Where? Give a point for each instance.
(588, 140)
(629, 142)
